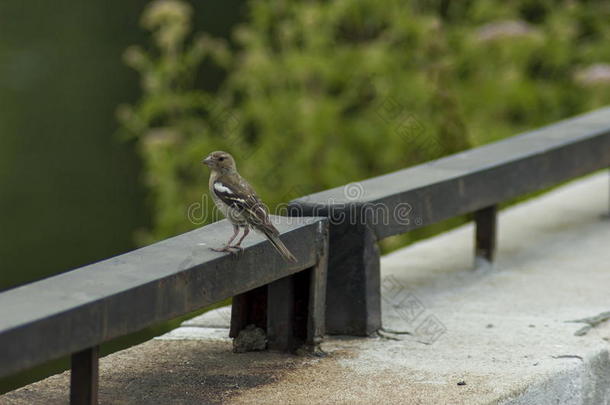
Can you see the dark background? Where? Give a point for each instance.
(70, 190)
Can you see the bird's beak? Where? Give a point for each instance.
(207, 161)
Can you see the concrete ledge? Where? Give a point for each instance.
(452, 334)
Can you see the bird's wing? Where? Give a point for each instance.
(241, 197)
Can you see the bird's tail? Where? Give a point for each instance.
(280, 247)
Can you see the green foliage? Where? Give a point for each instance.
(317, 94)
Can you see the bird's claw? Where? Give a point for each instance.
(222, 249)
(236, 250)
(229, 248)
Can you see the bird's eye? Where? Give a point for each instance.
(221, 159)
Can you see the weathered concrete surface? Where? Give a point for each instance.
(490, 336)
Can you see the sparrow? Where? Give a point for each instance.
(238, 202)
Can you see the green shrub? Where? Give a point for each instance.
(319, 94)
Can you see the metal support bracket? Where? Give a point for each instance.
(84, 377)
(486, 232)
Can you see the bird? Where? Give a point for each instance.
(240, 204)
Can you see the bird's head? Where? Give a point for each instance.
(220, 161)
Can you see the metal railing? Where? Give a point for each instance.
(473, 181)
(74, 312)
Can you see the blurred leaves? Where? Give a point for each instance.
(318, 94)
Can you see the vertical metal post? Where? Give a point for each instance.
(485, 234)
(353, 298)
(293, 306)
(293, 311)
(353, 282)
(296, 310)
(249, 308)
(316, 313)
(84, 377)
(281, 315)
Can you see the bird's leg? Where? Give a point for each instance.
(227, 247)
(246, 232)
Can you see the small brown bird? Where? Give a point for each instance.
(238, 202)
